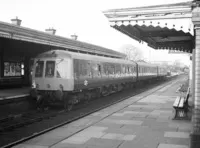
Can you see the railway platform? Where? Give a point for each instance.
(14, 93)
(13, 100)
(142, 121)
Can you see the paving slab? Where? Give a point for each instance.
(172, 146)
(146, 123)
(95, 142)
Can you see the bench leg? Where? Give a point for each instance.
(180, 114)
(175, 114)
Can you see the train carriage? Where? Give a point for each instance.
(74, 75)
(146, 71)
(71, 77)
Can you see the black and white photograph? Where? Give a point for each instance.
(99, 74)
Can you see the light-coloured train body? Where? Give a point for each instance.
(64, 75)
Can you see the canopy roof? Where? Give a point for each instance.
(15, 33)
(162, 26)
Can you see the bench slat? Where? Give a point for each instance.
(181, 103)
(176, 102)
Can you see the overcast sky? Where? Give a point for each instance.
(82, 17)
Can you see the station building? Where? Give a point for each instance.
(19, 45)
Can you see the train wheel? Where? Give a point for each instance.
(104, 91)
(70, 107)
(88, 97)
(98, 93)
(65, 101)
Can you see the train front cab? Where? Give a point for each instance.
(52, 77)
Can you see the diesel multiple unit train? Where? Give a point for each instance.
(71, 77)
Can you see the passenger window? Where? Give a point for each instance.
(111, 69)
(89, 73)
(83, 68)
(99, 69)
(50, 68)
(105, 67)
(95, 69)
(123, 69)
(118, 69)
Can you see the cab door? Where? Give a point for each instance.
(76, 74)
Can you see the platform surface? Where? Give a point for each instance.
(142, 121)
(14, 93)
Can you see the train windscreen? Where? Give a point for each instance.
(61, 69)
(39, 68)
(50, 69)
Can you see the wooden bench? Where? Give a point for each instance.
(181, 106)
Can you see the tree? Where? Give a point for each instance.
(132, 52)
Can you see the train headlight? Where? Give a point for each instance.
(48, 86)
(61, 87)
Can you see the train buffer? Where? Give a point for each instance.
(181, 106)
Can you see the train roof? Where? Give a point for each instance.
(83, 56)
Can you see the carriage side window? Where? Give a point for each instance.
(118, 69)
(111, 69)
(105, 68)
(83, 68)
(99, 69)
(128, 70)
(39, 68)
(123, 69)
(50, 68)
(95, 69)
(89, 71)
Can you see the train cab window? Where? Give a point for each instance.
(61, 69)
(50, 68)
(39, 68)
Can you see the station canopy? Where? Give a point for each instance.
(161, 27)
(20, 40)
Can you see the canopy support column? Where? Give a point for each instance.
(195, 134)
(193, 77)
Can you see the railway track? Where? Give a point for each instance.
(28, 127)
(16, 121)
